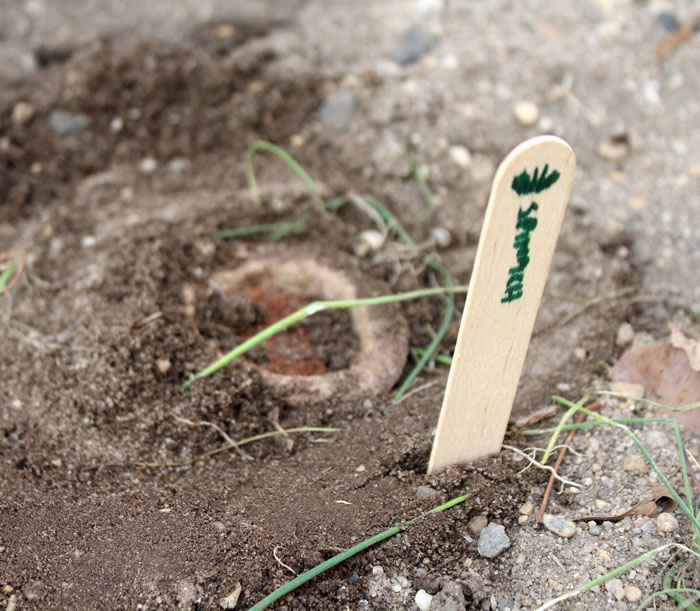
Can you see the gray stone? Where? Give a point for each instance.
(65, 123)
(336, 111)
(415, 43)
(493, 540)
(425, 492)
(559, 526)
(450, 598)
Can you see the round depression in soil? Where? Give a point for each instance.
(356, 352)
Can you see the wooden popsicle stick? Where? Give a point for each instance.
(524, 214)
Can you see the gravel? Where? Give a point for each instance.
(493, 540)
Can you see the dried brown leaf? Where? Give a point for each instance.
(659, 500)
(668, 374)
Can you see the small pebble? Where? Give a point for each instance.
(635, 463)
(595, 530)
(415, 43)
(633, 594)
(423, 600)
(526, 508)
(523, 520)
(116, 124)
(613, 585)
(378, 571)
(22, 113)
(666, 523)
(477, 524)
(425, 492)
(396, 587)
(559, 526)
(442, 236)
(11, 603)
(613, 150)
(219, 526)
(360, 469)
(337, 110)
(625, 334)
(493, 540)
(148, 165)
(65, 123)
(460, 156)
(163, 365)
(7, 589)
(526, 113)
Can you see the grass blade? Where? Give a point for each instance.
(308, 310)
(349, 553)
(264, 145)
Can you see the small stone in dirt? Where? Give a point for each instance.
(635, 463)
(423, 600)
(415, 43)
(594, 529)
(450, 598)
(336, 111)
(625, 334)
(7, 589)
(613, 586)
(613, 150)
(633, 594)
(526, 508)
(65, 123)
(559, 526)
(666, 523)
(219, 526)
(493, 540)
(163, 365)
(231, 600)
(148, 165)
(460, 155)
(11, 603)
(425, 492)
(22, 113)
(378, 571)
(442, 236)
(477, 524)
(523, 520)
(526, 113)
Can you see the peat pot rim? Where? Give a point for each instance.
(382, 331)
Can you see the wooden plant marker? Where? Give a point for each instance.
(524, 214)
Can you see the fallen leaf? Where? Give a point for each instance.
(659, 500)
(669, 373)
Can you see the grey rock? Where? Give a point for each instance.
(415, 43)
(336, 111)
(66, 123)
(559, 526)
(450, 598)
(493, 540)
(425, 492)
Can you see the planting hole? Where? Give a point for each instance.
(355, 352)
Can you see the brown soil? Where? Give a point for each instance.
(97, 339)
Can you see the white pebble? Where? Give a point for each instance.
(526, 113)
(148, 165)
(442, 236)
(613, 585)
(423, 600)
(527, 508)
(460, 155)
(22, 113)
(625, 334)
(378, 571)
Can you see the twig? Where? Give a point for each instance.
(557, 464)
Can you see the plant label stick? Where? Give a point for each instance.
(523, 218)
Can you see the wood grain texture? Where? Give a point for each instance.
(510, 272)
